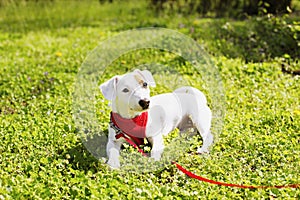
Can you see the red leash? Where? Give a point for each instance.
(200, 178)
(192, 175)
(131, 143)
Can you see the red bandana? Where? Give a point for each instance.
(135, 128)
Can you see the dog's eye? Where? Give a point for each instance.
(125, 90)
(145, 84)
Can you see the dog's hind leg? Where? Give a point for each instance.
(207, 142)
(203, 123)
(200, 117)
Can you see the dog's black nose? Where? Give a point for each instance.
(144, 103)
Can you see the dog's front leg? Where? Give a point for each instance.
(113, 150)
(157, 146)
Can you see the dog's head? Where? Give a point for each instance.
(129, 93)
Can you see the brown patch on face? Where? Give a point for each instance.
(139, 79)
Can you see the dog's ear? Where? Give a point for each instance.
(147, 76)
(108, 88)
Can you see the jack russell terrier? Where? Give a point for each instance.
(137, 115)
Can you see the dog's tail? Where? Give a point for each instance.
(191, 90)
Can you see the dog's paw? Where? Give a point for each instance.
(156, 155)
(113, 164)
(202, 151)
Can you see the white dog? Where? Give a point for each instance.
(152, 117)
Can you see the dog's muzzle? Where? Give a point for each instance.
(144, 103)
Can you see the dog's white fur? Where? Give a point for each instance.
(183, 108)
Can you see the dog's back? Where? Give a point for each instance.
(191, 90)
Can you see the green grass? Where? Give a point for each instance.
(41, 155)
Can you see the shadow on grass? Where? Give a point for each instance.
(86, 155)
(81, 159)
